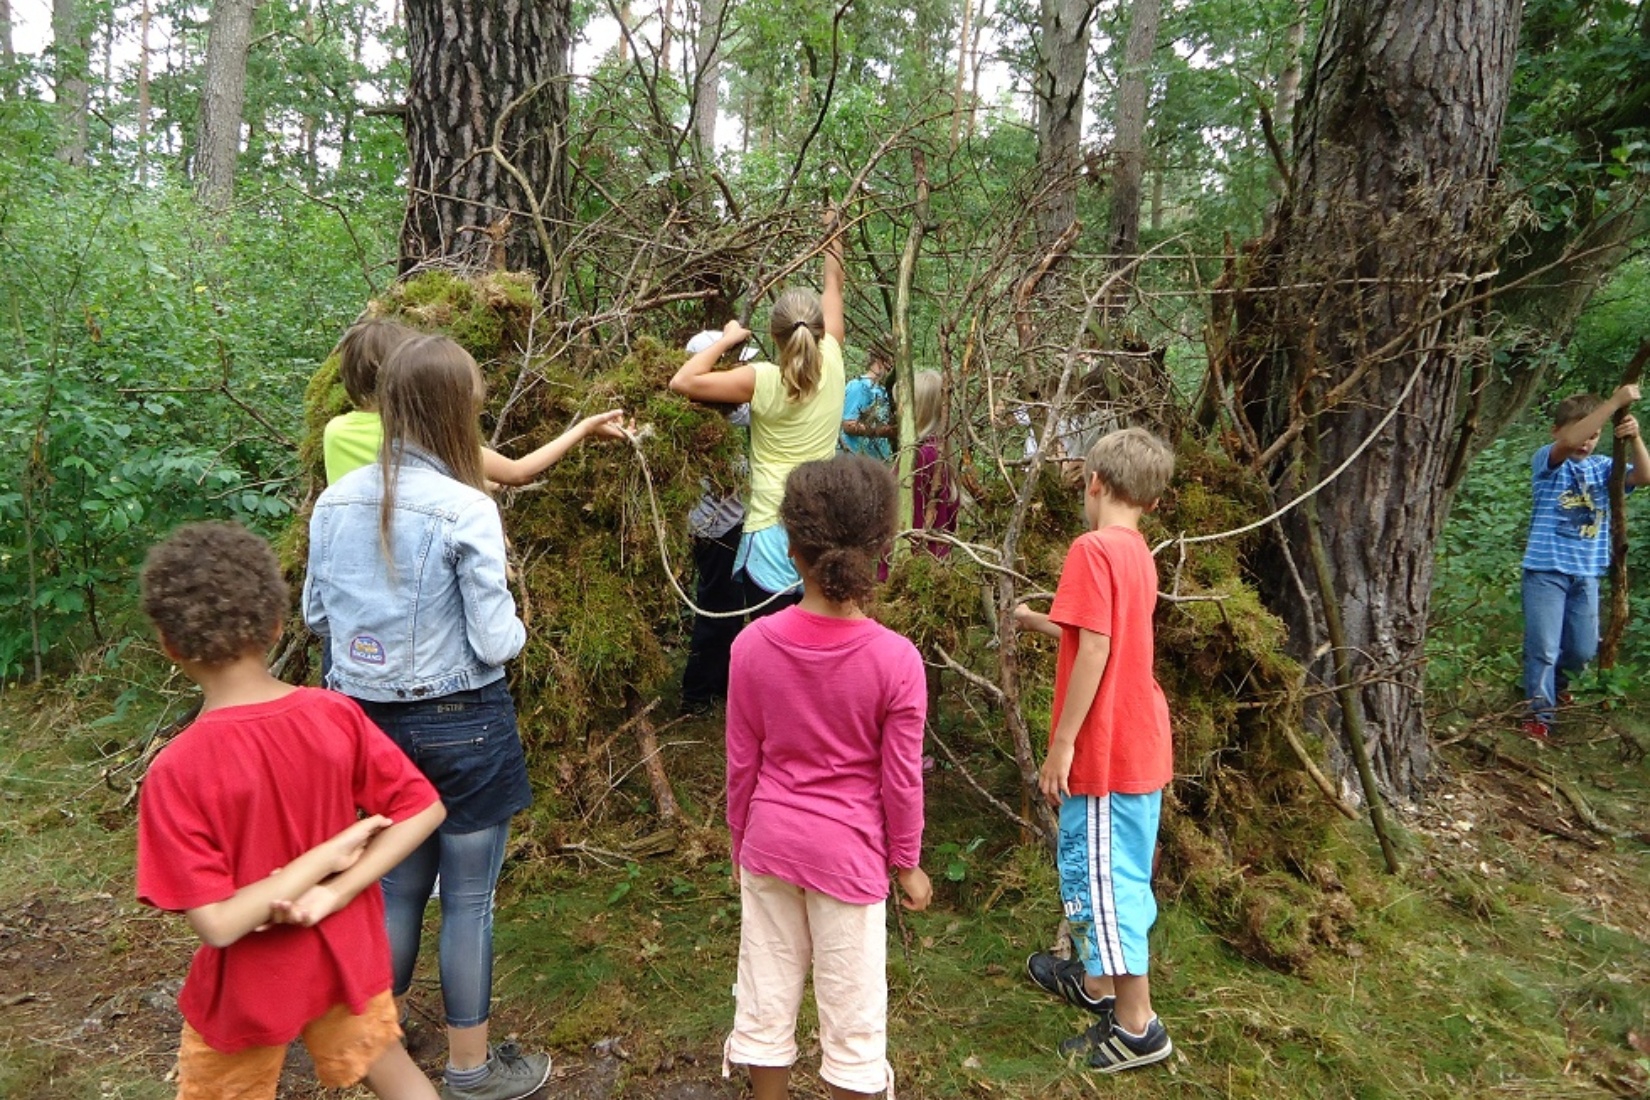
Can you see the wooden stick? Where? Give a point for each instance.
(1610, 645)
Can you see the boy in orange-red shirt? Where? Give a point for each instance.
(1109, 755)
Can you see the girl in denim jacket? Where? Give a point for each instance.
(406, 586)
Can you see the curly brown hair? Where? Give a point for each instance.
(839, 516)
(214, 592)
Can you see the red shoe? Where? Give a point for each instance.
(1535, 729)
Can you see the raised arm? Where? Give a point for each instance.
(698, 380)
(221, 923)
(1573, 436)
(1639, 474)
(521, 471)
(830, 298)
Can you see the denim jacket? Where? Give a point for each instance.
(442, 620)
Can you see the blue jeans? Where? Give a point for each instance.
(468, 864)
(1560, 635)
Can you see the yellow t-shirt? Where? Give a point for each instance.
(351, 441)
(785, 434)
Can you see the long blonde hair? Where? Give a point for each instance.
(429, 396)
(928, 405)
(797, 327)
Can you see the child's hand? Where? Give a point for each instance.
(1054, 778)
(736, 332)
(347, 846)
(312, 907)
(1627, 427)
(1625, 395)
(918, 891)
(607, 425)
(1027, 619)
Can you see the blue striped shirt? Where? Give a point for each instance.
(1570, 525)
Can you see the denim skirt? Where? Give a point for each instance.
(467, 746)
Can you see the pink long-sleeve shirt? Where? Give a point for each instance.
(825, 721)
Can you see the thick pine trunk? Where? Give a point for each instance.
(481, 67)
(1388, 229)
(1062, 56)
(223, 96)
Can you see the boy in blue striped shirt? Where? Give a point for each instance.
(1569, 546)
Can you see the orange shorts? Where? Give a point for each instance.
(342, 1045)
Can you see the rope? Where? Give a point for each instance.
(635, 439)
(1184, 540)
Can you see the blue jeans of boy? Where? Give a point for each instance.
(1560, 635)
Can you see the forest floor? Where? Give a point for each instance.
(1509, 958)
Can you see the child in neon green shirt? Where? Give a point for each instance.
(352, 440)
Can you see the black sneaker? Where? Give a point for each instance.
(1119, 1050)
(511, 1075)
(1064, 979)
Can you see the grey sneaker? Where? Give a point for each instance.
(1064, 979)
(511, 1075)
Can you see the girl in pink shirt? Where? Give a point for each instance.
(825, 720)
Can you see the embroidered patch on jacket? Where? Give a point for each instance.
(366, 649)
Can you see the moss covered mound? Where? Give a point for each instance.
(1243, 828)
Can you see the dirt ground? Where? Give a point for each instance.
(99, 976)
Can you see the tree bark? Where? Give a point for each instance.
(143, 105)
(1355, 319)
(1129, 144)
(482, 71)
(707, 76)
(71, 53)
(223, 96)
(1062, 56)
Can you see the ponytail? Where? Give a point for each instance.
(798, 327)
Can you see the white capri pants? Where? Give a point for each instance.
(784, 930)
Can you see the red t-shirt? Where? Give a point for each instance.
(1109, 586)
(240, 793)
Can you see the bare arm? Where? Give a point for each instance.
(1640, 473)
(1027, 619)
(1093, 654)
(1573, 436)
(870, 430)
(386, 850)
(520, 471)
(698, 380)
(223, 922)
(830, 299)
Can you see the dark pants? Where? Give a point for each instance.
(705, 679)
(755, 594)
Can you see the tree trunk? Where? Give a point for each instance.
(143, 94)
(223, 95)
(480, 70)
(962, 73)
(1387, 231)
(707, 76)
(1062, 57)
(71, 54)
(1129, 145)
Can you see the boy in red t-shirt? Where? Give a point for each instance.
(249, 824)
(1109, 755)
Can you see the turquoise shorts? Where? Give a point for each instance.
(1105, 855)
